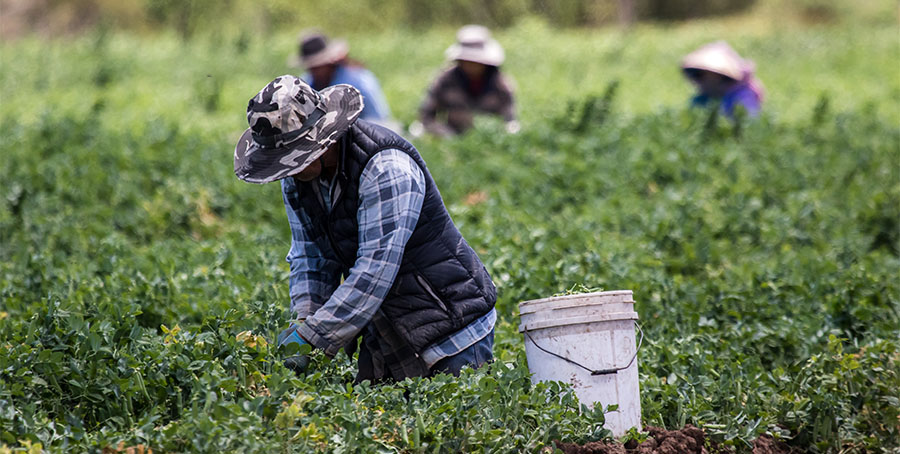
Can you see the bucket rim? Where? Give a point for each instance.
(559, 302)
(534, 325)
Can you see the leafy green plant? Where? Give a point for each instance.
(579, 288)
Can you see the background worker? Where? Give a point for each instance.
(473, 85)
(722, 77)
(327, 63)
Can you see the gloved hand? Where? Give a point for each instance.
(297, 363)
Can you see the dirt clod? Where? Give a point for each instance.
(687, 440)
(766, 444)
(594, 447)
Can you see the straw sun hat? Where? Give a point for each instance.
(474, 43)
(720, 58)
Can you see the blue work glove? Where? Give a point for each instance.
(289, 336)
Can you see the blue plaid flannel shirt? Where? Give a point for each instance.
(391, 192)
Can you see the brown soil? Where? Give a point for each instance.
(765, 444)
(688, 440)
(594, 447)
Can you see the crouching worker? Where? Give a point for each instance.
(473, 85)
(327, 63)
(362, 205)
(723, 79)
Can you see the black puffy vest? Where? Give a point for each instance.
(441, 286)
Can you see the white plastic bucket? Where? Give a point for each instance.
(587, 340)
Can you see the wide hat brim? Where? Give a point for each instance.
(255, 163)
(336, 50)
(718, 58)
(490, 53)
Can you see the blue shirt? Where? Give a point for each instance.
(739, 95)
(391, 192)
(375, 105)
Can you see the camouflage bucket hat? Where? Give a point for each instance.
(292, 125)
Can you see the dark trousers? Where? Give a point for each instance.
(475, 356)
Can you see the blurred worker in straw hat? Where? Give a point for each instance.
(723, 78)
(327, 63)
(473, 84)
(374, 252)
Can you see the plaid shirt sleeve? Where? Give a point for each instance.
(314, 275)
(391, 192)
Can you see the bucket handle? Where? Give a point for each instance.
(593, 371)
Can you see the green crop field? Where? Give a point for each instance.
(141, 282)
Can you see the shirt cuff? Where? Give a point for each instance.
(317, 340)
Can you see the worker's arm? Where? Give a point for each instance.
(314, 275)
(391, 192)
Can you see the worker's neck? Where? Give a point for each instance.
(330, 161)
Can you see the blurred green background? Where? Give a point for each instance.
(60, 17)
(213, 56)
